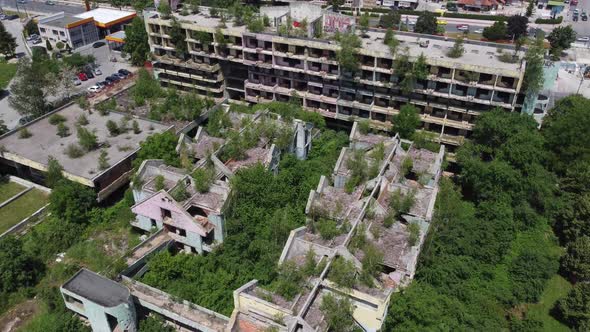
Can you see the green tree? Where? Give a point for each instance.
(86, 139)
(347, 55)
(165, 10)
(561, 39)
(364, 23)
(178, 38)
(530, 9)
(390, 20)
(574, 309)
(29, 89)
(71, 202)
(48, 45)
(54, 172)
(426, 23)
(576, 261)
(338, 313)
(17, 268)
(7, 42)
(406, 122)
(159, 146)
(154, 323)
(335, 4)
(564, 130)
(457, 50)
(517, 26)
(533, 74)
(136, 42)
(342, 272)
(3, 127)
(103, 160)
(391, 41)
(497, 31)
(31, 28)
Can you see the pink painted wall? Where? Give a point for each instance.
(150, 208)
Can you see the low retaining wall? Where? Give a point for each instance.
(24, 223)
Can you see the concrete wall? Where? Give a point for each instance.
(97, 314)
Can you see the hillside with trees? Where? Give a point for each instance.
(500, 229)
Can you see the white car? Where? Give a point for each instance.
(33, 37)
(76, 81)
(97, 72)
(463, 27)
(94, 88)
(480, 31)
(583, 39)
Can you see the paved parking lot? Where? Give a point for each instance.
(104, 61)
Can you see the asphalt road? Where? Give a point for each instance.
(41, 7)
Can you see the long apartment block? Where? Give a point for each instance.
(264, 67)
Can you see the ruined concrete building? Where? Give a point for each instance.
(295, 56)
(361, 206)
(190, 205)
(363, 213)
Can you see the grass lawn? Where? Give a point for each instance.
(557, 287)
(7, 71)
(21, 208)
(9, 189)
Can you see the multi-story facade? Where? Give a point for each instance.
(231, 62)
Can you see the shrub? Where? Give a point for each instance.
(24, 133)
(112, 128)
(342, 272)
(63, 130)
(203, 178)
(82, 120)
(557, 20)
(414, 236)
(87, 139)
(135, 126)
(288, 283)
(73, 151)
(103, 160)
(457, 50)
(364, 126)
(327, 228)
(159, 183)
(56, 119)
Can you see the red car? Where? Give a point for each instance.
(82, 77)
(574, 3)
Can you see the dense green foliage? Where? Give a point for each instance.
(136, 42)
(265, 208)
(159, 146)
(497, 31)
(426, 23)
(493, 247)
(406, 122)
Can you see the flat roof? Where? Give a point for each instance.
(98, 289)
(107, 16)
(118, 36)
(478, 56)
(45, 142)
(61, 22)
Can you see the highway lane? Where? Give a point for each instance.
(41, 7)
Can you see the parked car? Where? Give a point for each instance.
(33, 37)
(124, 72)
(583, 39)
(76, 81)
(26, 119)
(114, 78)
(97, 71)
(82, 77)
(2, 16)
(11, 17)
(89, 74)
(101, 85)
(94, 88)
(584, 17)
(98, 44)
(22, 1)
(479, 31)
(573, 2)
(463, 27)
(36, 41)
(120, 76)
(576, 11)
(107, 82)
(49, 3)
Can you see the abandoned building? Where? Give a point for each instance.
(227, 61)
(192, 212)
(28, 157)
